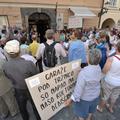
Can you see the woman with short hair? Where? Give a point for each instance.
(102, 46)
(87, 89)
(111, 82)
(77, 49)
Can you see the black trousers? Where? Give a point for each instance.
(39, 63)
(22, 96)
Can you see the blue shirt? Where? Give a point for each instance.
(77, 51)
(103, 49)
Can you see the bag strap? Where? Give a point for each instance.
(117, 57)
(4, 55)
(46, 44)
(53, 44)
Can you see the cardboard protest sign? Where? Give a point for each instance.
(51, 88)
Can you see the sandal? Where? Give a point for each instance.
(99, 109)
(108, 108)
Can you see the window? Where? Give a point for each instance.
(3, 21)
(113, 3)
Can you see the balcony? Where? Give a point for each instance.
(112, 4)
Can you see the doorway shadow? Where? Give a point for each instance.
(39, 22)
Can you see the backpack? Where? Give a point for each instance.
(49, 56)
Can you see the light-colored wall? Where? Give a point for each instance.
(113, 13)
(118, 3)
(14, 14)
(91, 22)
(91, 3)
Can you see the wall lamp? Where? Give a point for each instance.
(103, 11)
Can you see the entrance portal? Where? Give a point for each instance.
(108, 23)
(39, 22)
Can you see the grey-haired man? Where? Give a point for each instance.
(17, 70)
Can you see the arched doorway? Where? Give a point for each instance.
(118, 25)
(39, 22)
(108, 23)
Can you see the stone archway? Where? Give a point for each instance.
(108, 23)
(27, 12)
(39, 22)
(118, 25)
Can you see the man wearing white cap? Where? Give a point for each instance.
(17, 70)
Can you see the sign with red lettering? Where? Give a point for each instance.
(51, 88)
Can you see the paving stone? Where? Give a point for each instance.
(67, 114)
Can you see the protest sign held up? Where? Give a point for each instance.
(51, 88)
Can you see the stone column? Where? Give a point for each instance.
(27, 25)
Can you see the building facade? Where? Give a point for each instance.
(46, 13)
(111, 18)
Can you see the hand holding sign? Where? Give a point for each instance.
(68, 102)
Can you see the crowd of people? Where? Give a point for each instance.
(98, 83)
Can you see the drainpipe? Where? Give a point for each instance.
(100, 15)
(56, 14)
(8, 21)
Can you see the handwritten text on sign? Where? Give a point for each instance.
(51, 88)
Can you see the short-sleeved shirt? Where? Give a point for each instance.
(60, 51)
(33, 47)
(77, 51)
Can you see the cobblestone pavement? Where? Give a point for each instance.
(67, 114)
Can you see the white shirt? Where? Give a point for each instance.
(112, 52)
(113, 75)
(59, 52)
(88, 84)
(29, 58)
(113, 39)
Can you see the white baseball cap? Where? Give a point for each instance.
(12, 47)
